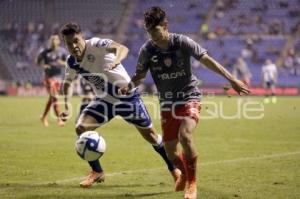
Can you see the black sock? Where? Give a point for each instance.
(96, 166)
(161, 151)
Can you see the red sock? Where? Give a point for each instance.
(179, 163)
(191, 165)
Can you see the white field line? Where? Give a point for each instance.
(241, 140)
(237, 160)
(266, 141)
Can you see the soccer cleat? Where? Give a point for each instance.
(45, 122)
(180, 183)
(92, 178)
(191, 191)
(176, 173)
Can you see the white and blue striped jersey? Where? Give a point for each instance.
(94, 68)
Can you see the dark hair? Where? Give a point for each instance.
(154, 16)
(70, 28)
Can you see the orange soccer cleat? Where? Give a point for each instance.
(180, 183)
(191, 191)
(92, 178)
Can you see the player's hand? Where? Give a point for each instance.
(64, 116)
(124, 91)
(239, 87)
(111, 66)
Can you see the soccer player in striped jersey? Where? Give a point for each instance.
(98, 61)
(167, 56)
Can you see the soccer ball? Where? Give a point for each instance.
(90, 146)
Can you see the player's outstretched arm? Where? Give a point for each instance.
(136, 80)
(212, 64)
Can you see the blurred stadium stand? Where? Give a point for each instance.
(232, 30)
(256, 30)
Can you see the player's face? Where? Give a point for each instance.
(75, 44)
(158, 34)
(54, 41)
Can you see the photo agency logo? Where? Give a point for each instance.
(212, 107)
(241, 108)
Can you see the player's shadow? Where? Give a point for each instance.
(158, 195)
(137, 195)
(115, 191)
(59, 186)
(115, 187)
(56, 185)
(105, 186)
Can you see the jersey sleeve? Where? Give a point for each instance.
(101, 43)
(142, 63)
(70, 73)
(41, 56)
(192, 47)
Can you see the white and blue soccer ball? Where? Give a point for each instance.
(90, 146)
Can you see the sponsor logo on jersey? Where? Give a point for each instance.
(90, 58)
(156, 68)
(154, 58)
(174, 75)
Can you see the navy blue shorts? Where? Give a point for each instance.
(131, 109)
(269, 84)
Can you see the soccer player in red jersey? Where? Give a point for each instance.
(167, 56)
(98, 62)
(52, 60)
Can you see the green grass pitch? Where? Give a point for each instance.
(239, 158)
